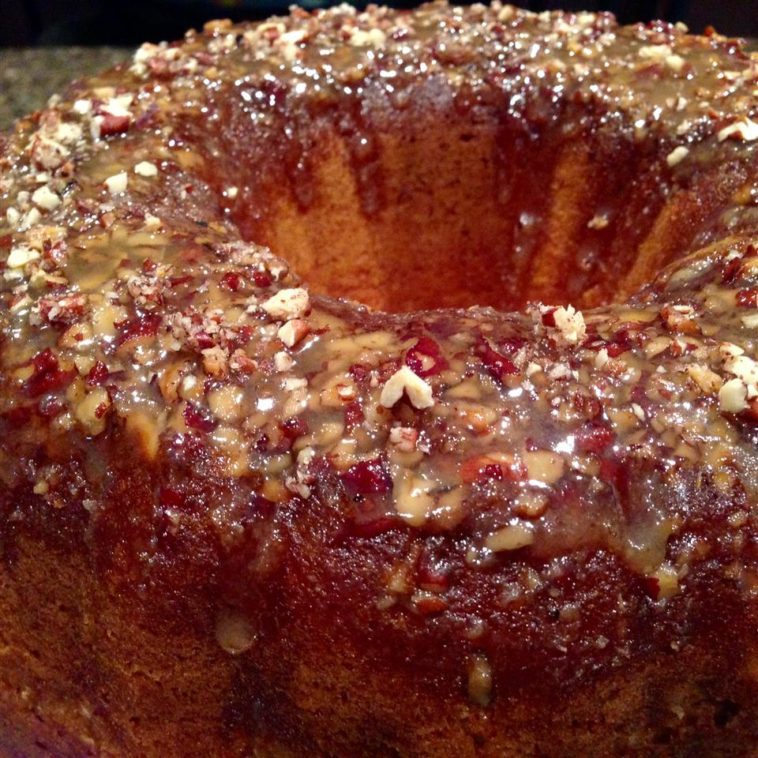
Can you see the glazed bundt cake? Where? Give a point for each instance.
(384, 383)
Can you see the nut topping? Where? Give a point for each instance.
(405, 381)
(287, 304)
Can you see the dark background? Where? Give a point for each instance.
(100, 22)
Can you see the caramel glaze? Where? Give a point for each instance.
(501, 505)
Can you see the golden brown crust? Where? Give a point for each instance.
(138, 693)
(237, 515)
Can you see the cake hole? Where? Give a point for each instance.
(454, 213)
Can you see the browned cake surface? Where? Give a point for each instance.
(239, 515)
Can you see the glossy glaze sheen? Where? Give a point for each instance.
(503, 506)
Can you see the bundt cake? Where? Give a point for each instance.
(384, 383)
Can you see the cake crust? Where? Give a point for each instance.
(241, 512)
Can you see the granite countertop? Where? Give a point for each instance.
(28, 76)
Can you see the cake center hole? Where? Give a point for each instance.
(464, 215)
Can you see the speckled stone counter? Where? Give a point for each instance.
(28, 76)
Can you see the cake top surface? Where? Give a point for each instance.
(129, 305)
